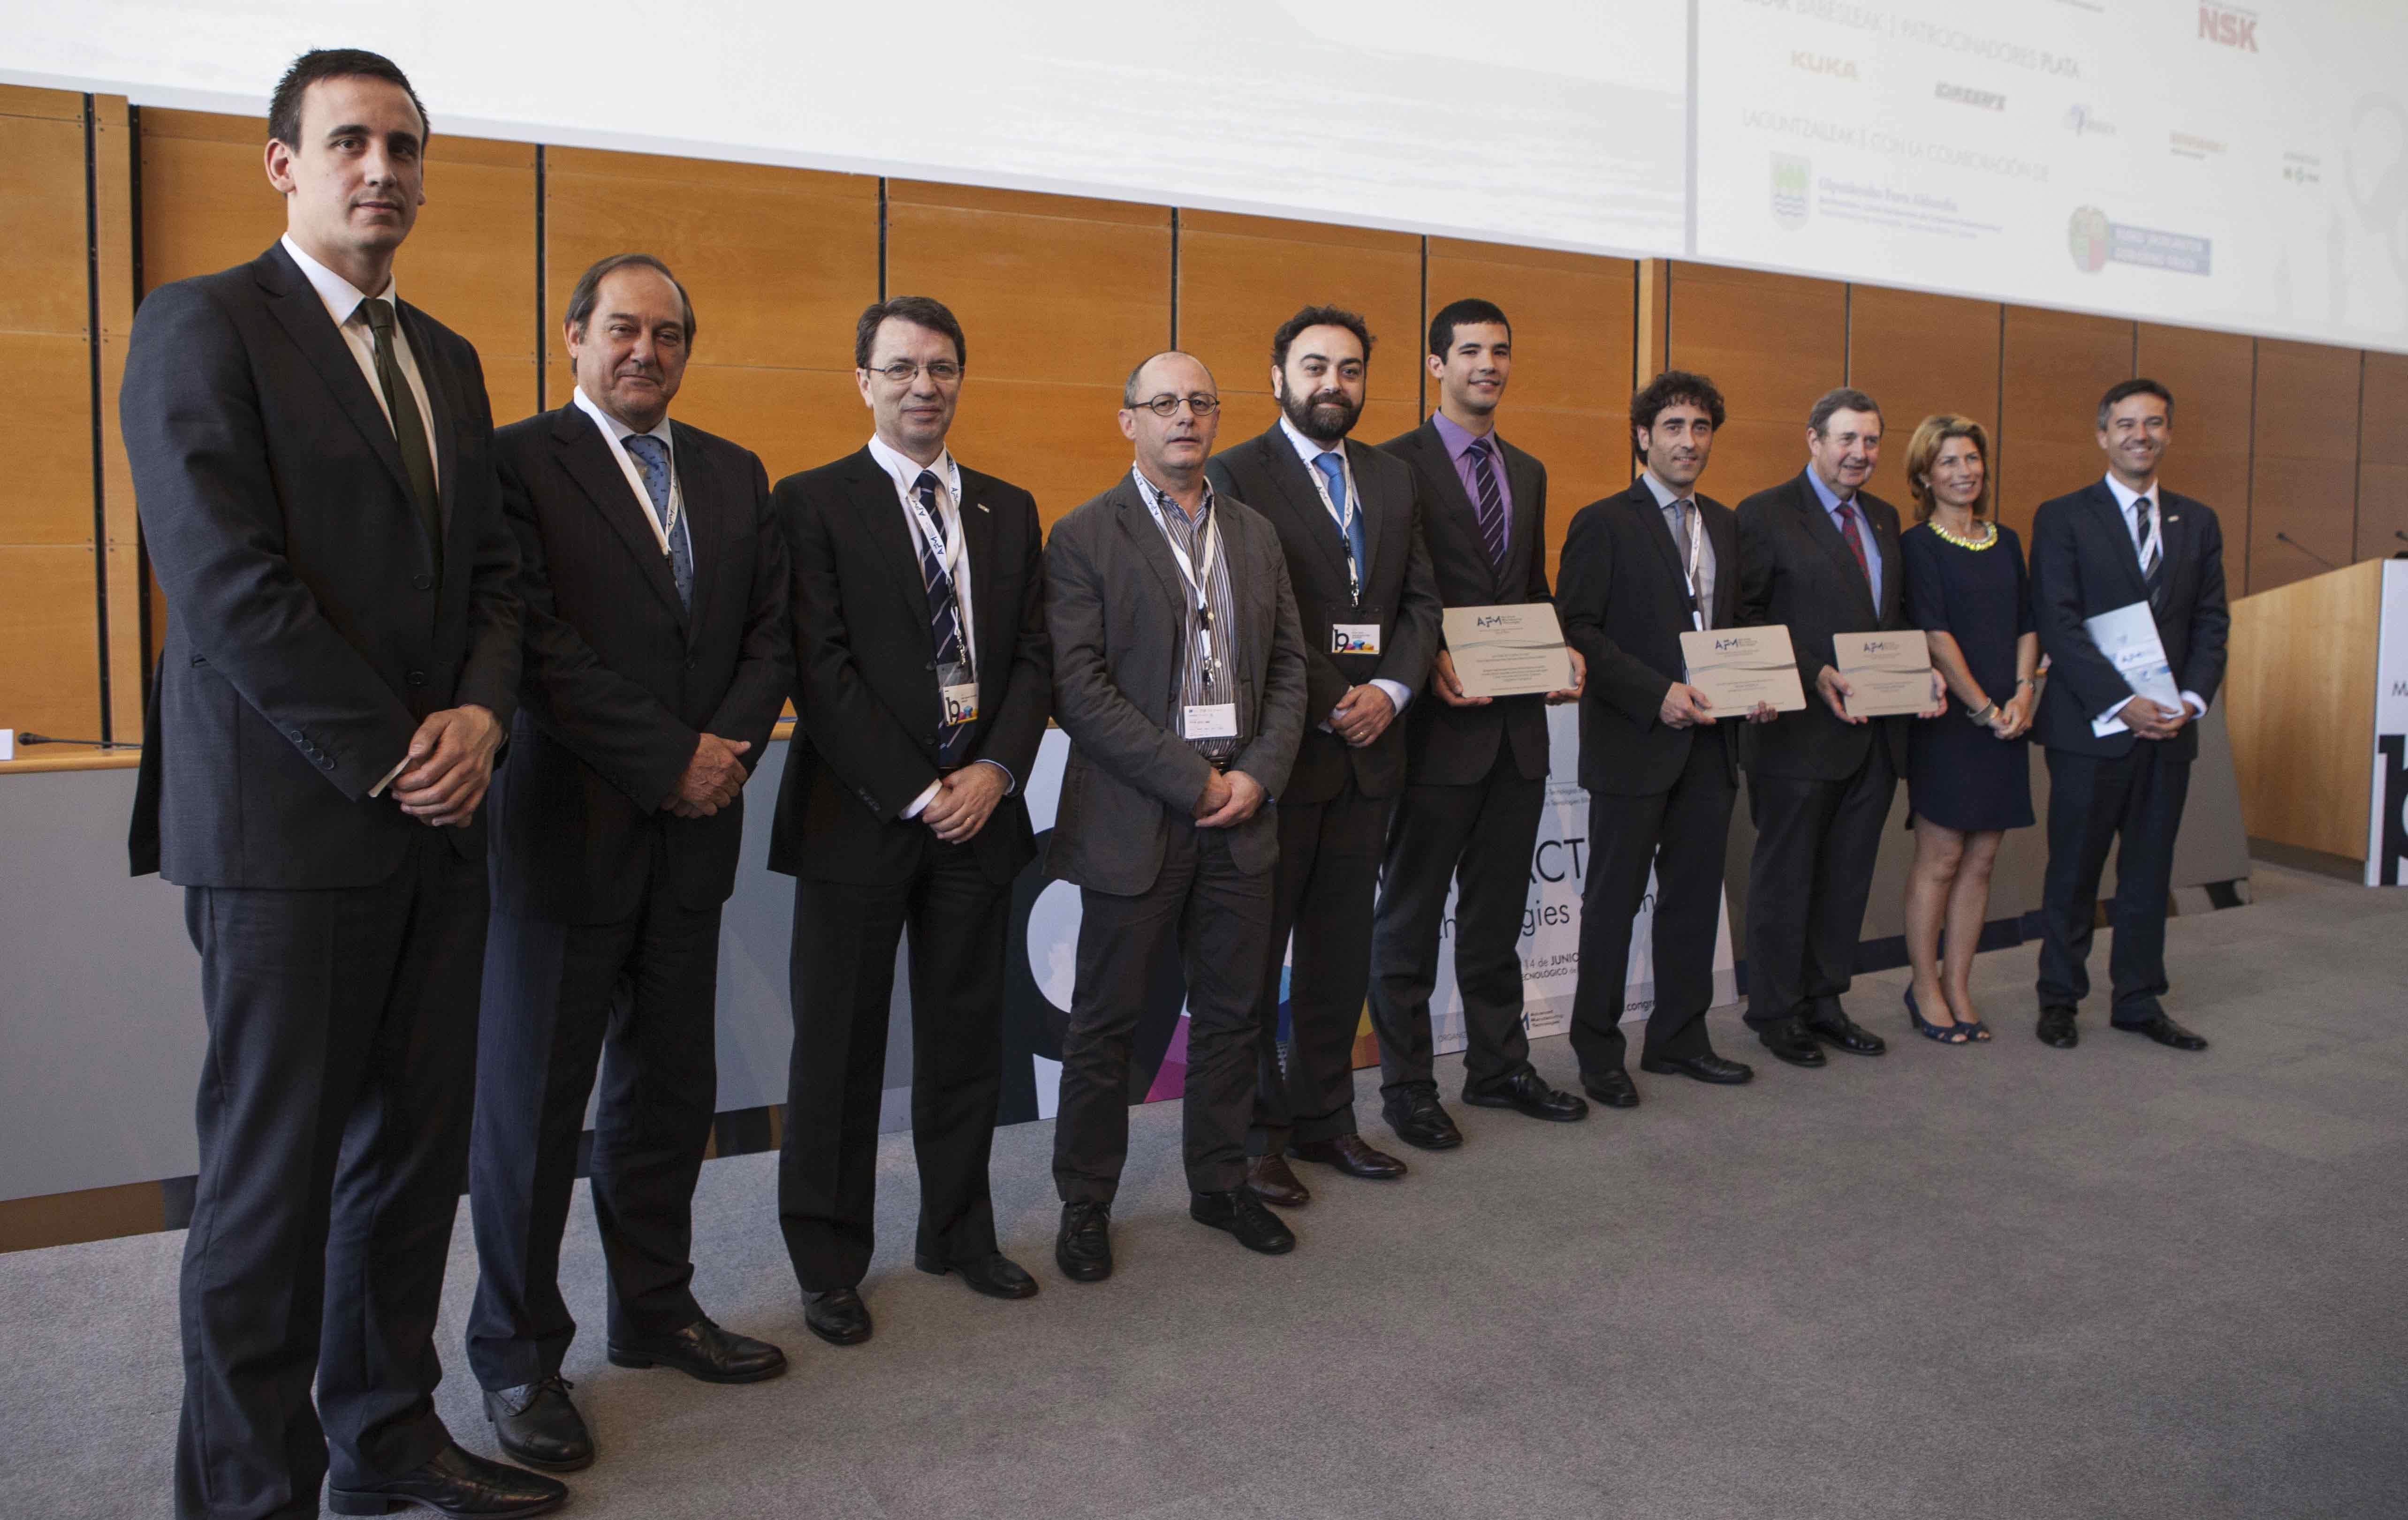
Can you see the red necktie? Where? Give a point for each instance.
(1856, 540)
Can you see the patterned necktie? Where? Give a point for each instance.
(651, 457)
(1335, 474)
(945, 612)
(1856, 540)
(409, 427)
(2153, 558)
(1492, 503)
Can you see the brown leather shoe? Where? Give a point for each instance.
(1269, 1176)
(1351, 1156)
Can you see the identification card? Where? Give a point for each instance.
(1353, 639)
(959, 693)
(1209, 720)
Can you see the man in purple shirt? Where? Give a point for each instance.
(1475, 767)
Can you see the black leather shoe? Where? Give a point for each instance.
(2166, 1032)
(838, 1316)
(2057, 1028)
(1788, 1040)
(1527, 1092)
(536, 1424)
(1836, 1028)
(1242, 1215)
(1272, 1177)
(1707, 1067)
(994, 1275)
(456, 1482)
(1614, 1088)
(1084, 1247)
(1349, 1154)
(704, 1352)
(1421, 1122)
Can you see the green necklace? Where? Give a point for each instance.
(1987, 541)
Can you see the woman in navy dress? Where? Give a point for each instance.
(1969, 775)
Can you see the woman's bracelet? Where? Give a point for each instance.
(1984, 716)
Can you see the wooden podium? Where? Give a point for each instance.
(2302, 691)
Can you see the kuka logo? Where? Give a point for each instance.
(2228, 28)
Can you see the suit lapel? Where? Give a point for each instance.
(890, 531)
(1523, 524)
(978, 543)
(446, 404)
(304, 319)
(1457, 516)
(1820, 528)
(2174, 536)
(1381, 522)
(1303, 500)
(698, 485)
(585, 454)
(2127, 555)
(1137, 521)
(1724, 537)
(1643, 501)
(1885, 545)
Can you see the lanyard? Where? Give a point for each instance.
(662, 533)
(1344, 513)
(1697, 558)
(946, 540)
(1199, 574)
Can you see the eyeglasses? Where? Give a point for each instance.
(1168, 405)
(902, 371)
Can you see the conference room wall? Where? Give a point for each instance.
(1059, 296)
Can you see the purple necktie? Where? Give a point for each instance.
(1492, 503)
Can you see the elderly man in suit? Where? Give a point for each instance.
(1819, 553)
(657, 664)
(923, 688)
(1660, 764)
(313, 461)
(1475, 767)
(1179, 674)
(1350, 520)
(2119, 762)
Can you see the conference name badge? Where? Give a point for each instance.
(959, 693)
(1209, 720)
(1353, 639)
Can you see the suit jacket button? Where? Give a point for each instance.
(424, 583)
(416, 679)
(325, 762)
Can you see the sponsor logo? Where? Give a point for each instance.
(1721, 644)
(2094, 241)
(1792, 189)
(2085, 122)
(2190, 145)
(1822, 63)
(1494, 620)
(1965, 94)
(2228, 27)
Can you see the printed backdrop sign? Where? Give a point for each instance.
(2387, 828)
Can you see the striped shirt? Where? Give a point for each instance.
(1201, 682)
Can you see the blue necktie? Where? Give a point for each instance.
(1332, 472)
(945, 612)
(651, 457)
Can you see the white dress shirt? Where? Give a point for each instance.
(905, 472)
(616, 434)
(1665, 496)
(1306, 452)
(2125, 498)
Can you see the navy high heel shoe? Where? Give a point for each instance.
(1951, 1035)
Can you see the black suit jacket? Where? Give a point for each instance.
(865, 701)
(307, 634)
(1623, 596)
(1456, 746)
(1266, 474)
(1795, 569)
(2083, 564)
(620, 681)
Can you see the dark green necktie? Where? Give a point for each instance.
(409, 427)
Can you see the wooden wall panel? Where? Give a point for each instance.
(51, 680)
(46, 394)
(2383, 458)
(1920, 355)
(1057, 297)
(1772, 344)
(2210, 375)
(2303, 465)
(2054, 366)
(1239, 277)
(1574, 320)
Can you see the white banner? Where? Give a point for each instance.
(2386, 824)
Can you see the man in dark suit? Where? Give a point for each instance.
(1819, 553)
(922, 693)
(656, 662)
(2119, 763)
(1475, 767)
(1350, 520)
(313, 462)
(1639, 570)
(1179, 675)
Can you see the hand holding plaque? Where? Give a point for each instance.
(1889, 674)
(1508, 651)
(1737, 668)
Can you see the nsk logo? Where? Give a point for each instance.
(2230, 28)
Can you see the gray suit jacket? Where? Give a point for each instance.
(1113, 600)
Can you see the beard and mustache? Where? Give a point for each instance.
(1323, 416)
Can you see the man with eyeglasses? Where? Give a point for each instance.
(1179, 675)
(920, 695)
(1350, 520)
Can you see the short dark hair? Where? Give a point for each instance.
(1318, 316)
(2124, 389)
(1468, 312)
(1671, 388)
(918, 310)
(284, 106)
(1844, 398)
(589, 289)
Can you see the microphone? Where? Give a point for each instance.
(94, 743)
(2305, 550)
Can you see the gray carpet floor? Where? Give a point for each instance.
(2003, 1281)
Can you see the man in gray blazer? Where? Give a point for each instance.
(1179, 675)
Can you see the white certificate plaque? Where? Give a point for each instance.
(1887, 673)
(1739, 667)
(1508, 651)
